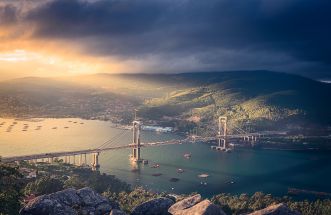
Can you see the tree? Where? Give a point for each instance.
(74, 182)
(129, 200)
(44, 185)
(103, 182)
(10, 189)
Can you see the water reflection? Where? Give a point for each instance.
(243, 171)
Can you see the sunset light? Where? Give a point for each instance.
(165, 107)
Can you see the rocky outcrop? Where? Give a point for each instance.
(185, 203)
(87, 202)
(279, 209)
(204, 208)
(194, 206)
(69, 202)
(158, 206)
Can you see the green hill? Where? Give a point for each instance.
(46, 97)
(266, 100)
(255, 99)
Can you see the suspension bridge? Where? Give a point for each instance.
(221, 137)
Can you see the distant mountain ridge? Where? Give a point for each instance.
(50, 97)
(263, 98)
(256, 94)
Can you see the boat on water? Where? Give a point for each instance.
(180, 170)
(155, 166)
(203, 175)
(187, 155)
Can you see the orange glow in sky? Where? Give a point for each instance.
(42, 59)
(20, 62)
(22, 55)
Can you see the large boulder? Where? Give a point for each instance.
(278, 209)
(69, 202)
(185, 203)
(67, 197)
(45, 205)
(157, 206)
(202, 208)
(90, 197)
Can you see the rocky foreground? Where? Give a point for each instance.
(87, 202)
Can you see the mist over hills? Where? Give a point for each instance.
(264, 99)
(47, 97)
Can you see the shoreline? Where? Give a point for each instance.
(128, 127)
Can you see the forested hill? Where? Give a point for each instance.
(261, 97)
(49, 97)
(264, 99)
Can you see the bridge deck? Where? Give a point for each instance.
(90, 151)
(79, 152)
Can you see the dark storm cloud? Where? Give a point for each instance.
(263, 34)
(64, 18)
(8, 14)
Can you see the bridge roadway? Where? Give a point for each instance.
(86, 151)
(91, 151)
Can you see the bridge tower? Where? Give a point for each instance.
(95, 161)
(136, 141)
(222, 134)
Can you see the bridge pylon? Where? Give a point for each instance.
(222, 134)
(95, 161)
(136, 155)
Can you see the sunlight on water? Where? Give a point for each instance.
(242, 171)
(21, 137)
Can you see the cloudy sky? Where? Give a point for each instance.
(68, 37)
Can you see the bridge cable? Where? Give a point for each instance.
(111, 140)
(114, 140)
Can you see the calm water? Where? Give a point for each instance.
(249, 170)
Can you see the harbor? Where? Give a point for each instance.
(245, 170)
